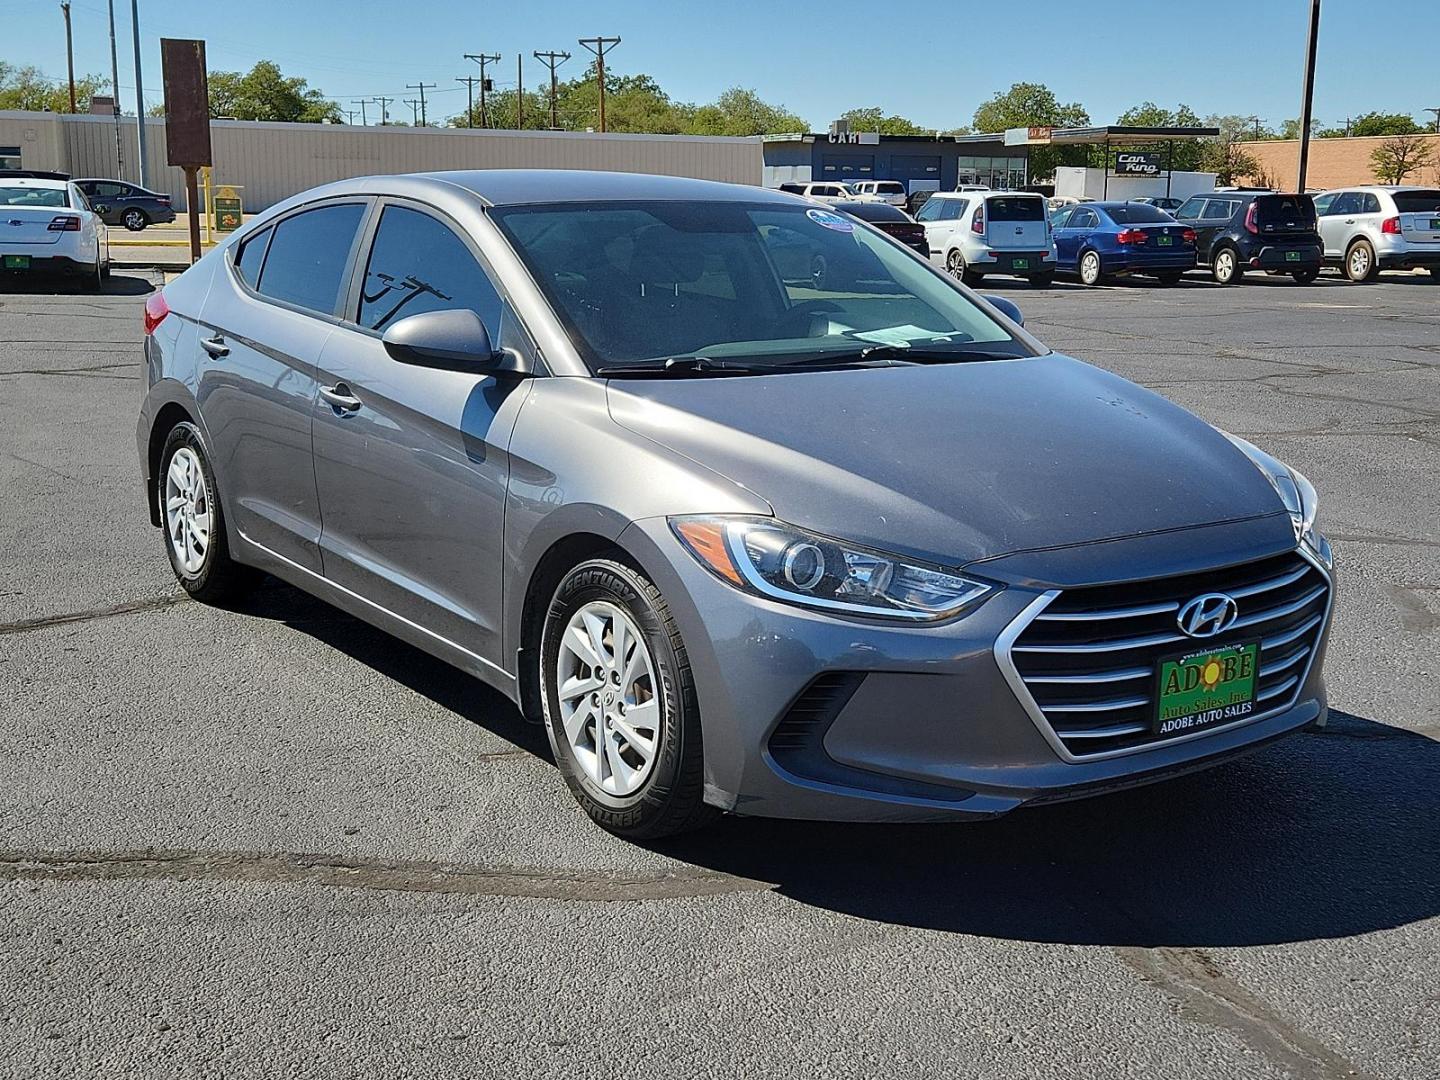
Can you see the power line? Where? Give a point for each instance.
(482, 59)
(599, 46)
(422, 87)
(552, 60)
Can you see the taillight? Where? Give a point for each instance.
(1131, 236)
(64, 223)
(155, 311)
(163, 200)
(1391, 225)
(1188, 236)
(1250, 225)
(977, 220)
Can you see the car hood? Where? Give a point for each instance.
(957, 462)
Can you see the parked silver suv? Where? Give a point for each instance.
(1369, 229)
(975, 233)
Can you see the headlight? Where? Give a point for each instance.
(768, 557)
(1297, 493)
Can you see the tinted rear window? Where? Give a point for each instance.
(1285, 210)
(1417, 202)
(306, 262)
(1136, 214)
(1007, 208)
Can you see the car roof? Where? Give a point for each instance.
(512, 187)
(1388, 189)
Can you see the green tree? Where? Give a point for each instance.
(1376, 123)
(876, 119)
(1034, 105)
(1400, 156)
(265, 93)
(739, 111)
(26, 88)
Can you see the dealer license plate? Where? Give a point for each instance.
(1021, 264)
(1206, 687)
(1164, 240)
(17, 262)
(1292, 256)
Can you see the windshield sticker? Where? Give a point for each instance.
(831, 220)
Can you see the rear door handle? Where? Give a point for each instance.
(215, 346)
(340, 398)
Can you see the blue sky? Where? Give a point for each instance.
(816, 59)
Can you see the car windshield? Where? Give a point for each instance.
(33, 196)
(755, 284)
(1417, 202)
(1136, 214)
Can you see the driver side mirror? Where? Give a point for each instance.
(449, 341)
(1008, 308)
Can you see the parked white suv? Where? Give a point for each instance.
(1369, 229)
(886, 191)
(821, 191)
(990, 232)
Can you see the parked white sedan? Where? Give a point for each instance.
(48, 229)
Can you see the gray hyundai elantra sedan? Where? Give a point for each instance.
(754, 509)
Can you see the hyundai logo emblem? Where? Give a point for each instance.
(1208, 615)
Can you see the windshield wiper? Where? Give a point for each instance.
(680, 366)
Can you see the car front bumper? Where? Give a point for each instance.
(807, 716)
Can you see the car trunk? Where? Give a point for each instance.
(1016, 223)
(1419, 216)
(29, 225)
(907, 232)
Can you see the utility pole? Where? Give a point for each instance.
(599, 46)
(469, 81)
(1437, 118)
(552, 60)
(349, 116)
(383, 102)
(115, 98)
(1308, 95)
(482, 59)
(414, 104)
(422, 87)
(362, 103)
(519, 91)
(139, 92)
(69, 52)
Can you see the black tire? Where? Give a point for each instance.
(1043, 281)
(1090, 268)
(671, 798)
(135, 219)
(955, 264)
(1360, 264)
(219, 579)
(1225, 267)
(94, 279)
(1169, 279)
(1304, 277)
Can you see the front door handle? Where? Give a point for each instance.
(215, 346)
(340, 398)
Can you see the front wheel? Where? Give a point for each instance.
(620, 704)
(1226, 268)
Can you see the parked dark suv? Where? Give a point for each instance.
(1261, 231)
(121, 203)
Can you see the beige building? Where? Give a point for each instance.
(271, 162)
(1333, 162)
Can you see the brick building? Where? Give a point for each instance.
(1333, 162)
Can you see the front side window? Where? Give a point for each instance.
(756, 284)
(1191, 208)
(931, 209)
(308, 255)
(1322, 203)
(417, 263)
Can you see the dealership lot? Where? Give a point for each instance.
(274, 841)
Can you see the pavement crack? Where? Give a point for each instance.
(129, 607)
(385, 875)
(1207, 995)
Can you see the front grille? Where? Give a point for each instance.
(1089, 658)
(802, 729)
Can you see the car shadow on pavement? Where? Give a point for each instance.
(119, 284)
(1327, 834)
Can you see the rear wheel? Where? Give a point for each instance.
(620, 704)
(1360, 261)
(194, 525)
(94, 278)
(1091, 272)
(1304, 277)
(1226, 269)
(135, 219)
(1043, 281)
(1169, 279)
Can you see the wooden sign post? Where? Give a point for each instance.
(187, 120)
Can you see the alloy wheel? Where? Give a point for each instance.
(187, 510)
(955, 264)
(1359, 262)
(609, 710)
(134, 220)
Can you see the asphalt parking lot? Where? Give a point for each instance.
(275, 842)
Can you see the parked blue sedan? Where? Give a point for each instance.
(1103, 239)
